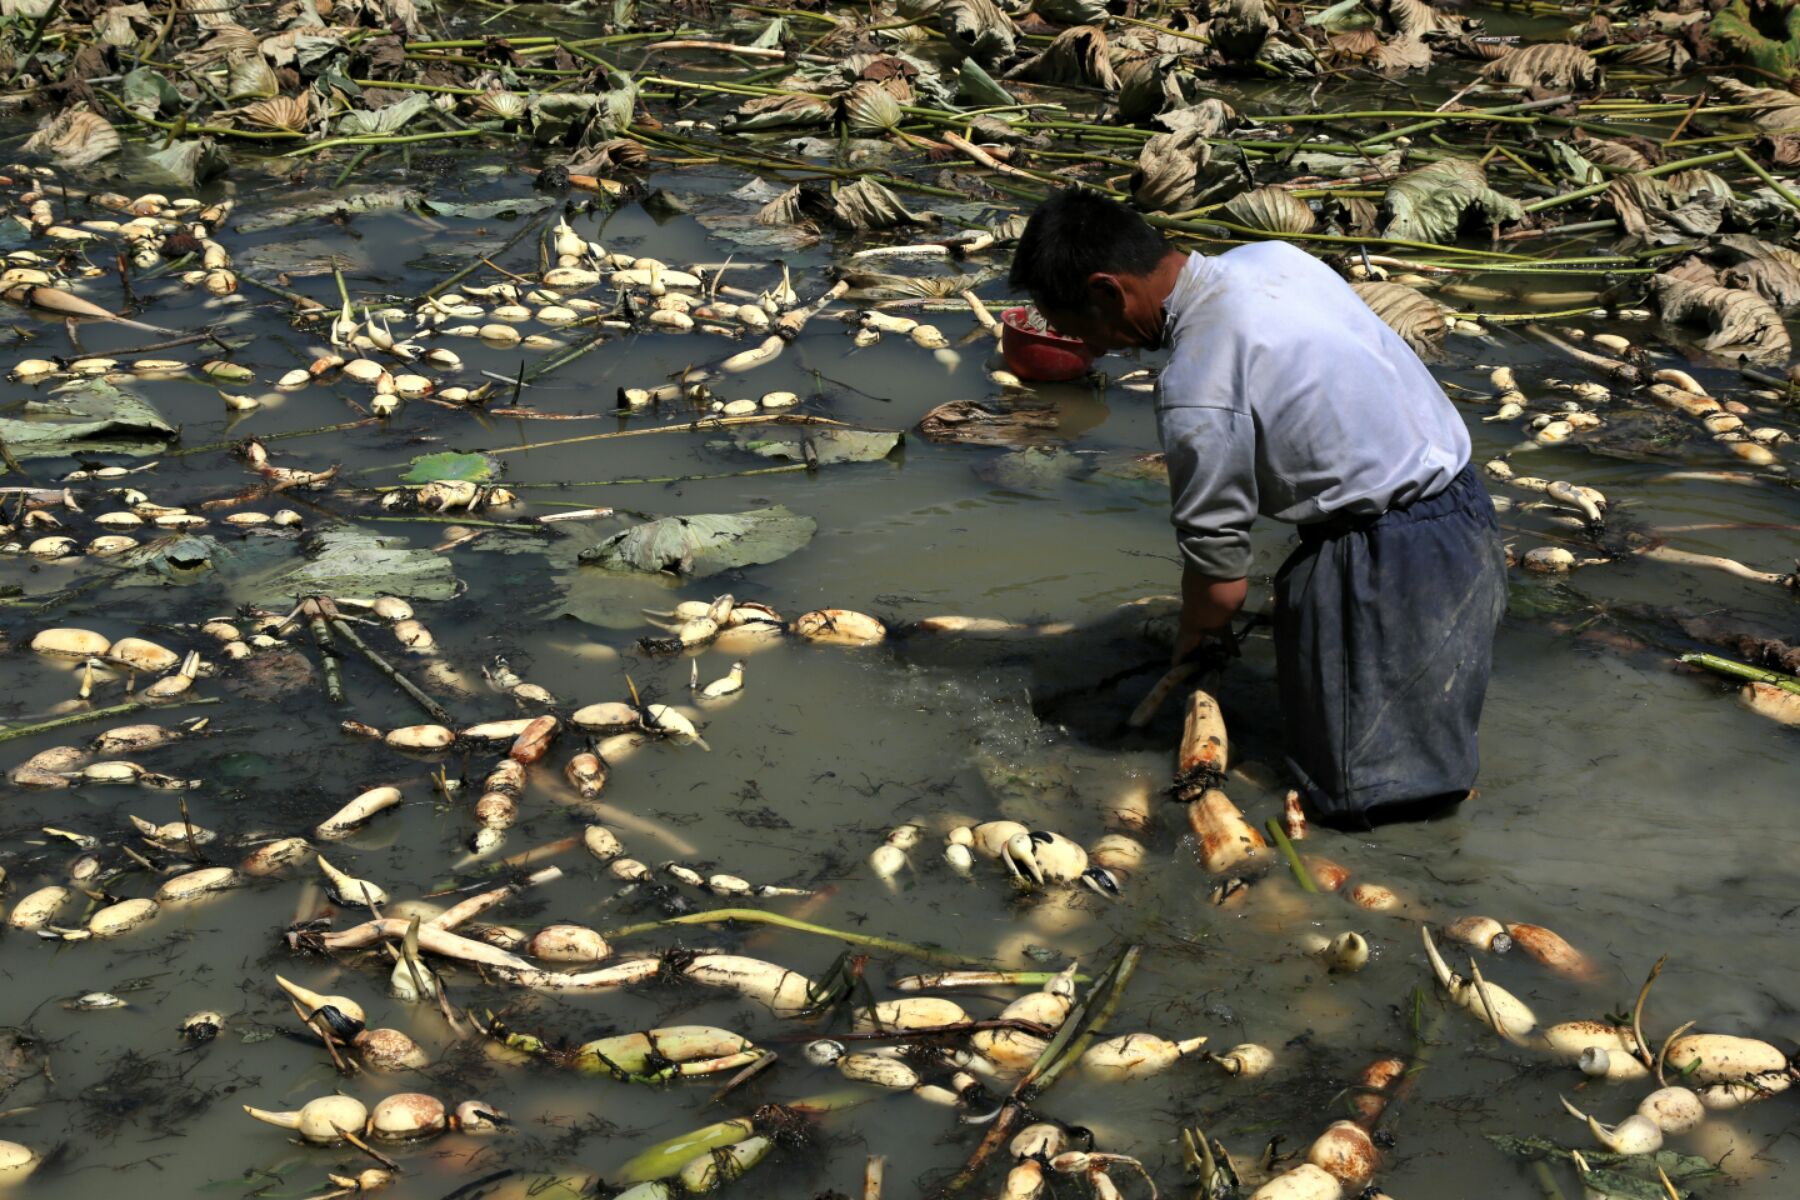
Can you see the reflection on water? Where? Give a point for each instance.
(1637, 811)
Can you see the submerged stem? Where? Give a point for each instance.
(756, 916)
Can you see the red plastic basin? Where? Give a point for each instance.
(1039, 355)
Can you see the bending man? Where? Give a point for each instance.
(1286, 396)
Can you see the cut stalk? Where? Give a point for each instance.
(100, 714)
(1301, 875)
(755, 916)
(1740, 670)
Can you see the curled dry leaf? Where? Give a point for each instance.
(782, 112)
(967, 423)
(282, 112)
(1740, 322)
(1177, 171)
(1431, 203)
(1078, 58)
(870, 107)
(1408, 313)
(1771, 271)
(1209, 118)
(1652, 213)
(1240, 27)
(1550, 65)
(1274, 210)
(498, 105)
(249, 76)
(1413, 19)
(75, 137)
(980, 29)
(866, 204)
(1773, 110)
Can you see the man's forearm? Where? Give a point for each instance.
(1207, 606)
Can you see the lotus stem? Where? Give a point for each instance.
(102, 714)
(755, 916)
(462, 273)
(432, 708)
(1703, 160)
(276, 437)
(1301, 875)
(668, 1156)
(703, 425)
(1781, 189)
(1637, 1012)
(1738, 670)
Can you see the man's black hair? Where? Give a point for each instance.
(1075, 233)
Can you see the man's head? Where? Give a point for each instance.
(1095, 270)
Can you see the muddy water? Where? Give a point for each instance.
(1638, 811)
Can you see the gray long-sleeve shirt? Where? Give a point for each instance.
(1285, 395)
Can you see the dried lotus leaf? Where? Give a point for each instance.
(1739, 322)
(1177, 171)
(1773, 110)
(1412, 19)
(866, 204)
(1271, 209)
(1409, 313)
(283, 112)
(1400, 56)
(248, 76)
(782, 210)
(1622, 156)
(1431, 203)
(980, 29)
(1552, 65)
(75, 137)
(1077, 58)
(499, 105)
(869, 107)
(1776, 281)
(1655, 54)
(1240, 27)
(786, 111)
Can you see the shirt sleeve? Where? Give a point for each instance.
(1211, 454)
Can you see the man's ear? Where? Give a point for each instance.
(1106, 292)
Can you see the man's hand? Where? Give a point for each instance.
(1207, 606)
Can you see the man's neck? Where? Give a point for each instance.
(1159, 285)
(1168, 271)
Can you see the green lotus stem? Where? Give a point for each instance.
(1559, 315)
(513, 526)
(1737, 670)
(1702, 160)
(671, 1154)
(457, 276)
(1382, 115)
(350, 167)
(1286, 846)
(37, 39)
(404, 139)
(477, 43)
(340, 427)
(1781, 189)
(784, 469)
(401, 86)
(705, 425)
(1716, 139)
(755, 916)
(1330, 238)
(212, 130)
(100, 714)
(727, 89)
(1071, 1040)
(1110, 989)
